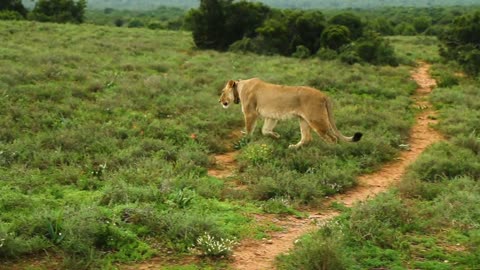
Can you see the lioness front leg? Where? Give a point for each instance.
(250, 122)
(268, 127)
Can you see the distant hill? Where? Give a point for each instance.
(306, 4)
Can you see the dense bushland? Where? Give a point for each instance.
(305, 4)
(107, 136)
(159, 18)
(60, 11)
(461, 42)
(221, 24)
(12, 9)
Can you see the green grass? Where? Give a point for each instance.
(97, 159)
(414, 48)
(432, 220)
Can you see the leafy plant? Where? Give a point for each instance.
(182, 198)
(54, 231)
(257, 153)
(207, 245)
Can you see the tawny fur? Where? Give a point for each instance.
(278, 102)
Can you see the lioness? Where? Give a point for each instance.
(278, 102)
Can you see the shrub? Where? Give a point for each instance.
(349, 56)
(461, 42)
(135, 23)
(301, 52)
(335, 36)
(60, 11)
(326, 54)
(317, 251)
(278, 205)
(447, 80)
(12, 9)
(257, 154)
(207, 245)
(10, 15)
(376, 50)
(445, 161)
(380, 221)
(458, 204)
(13, 245)
(351, 21)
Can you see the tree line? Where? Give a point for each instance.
(61, 11)
(255, 27)
(297, 4)
(352, 36)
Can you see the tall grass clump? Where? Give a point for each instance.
(320, 250)
(446, 161)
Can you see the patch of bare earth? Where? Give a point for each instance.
(260, 255)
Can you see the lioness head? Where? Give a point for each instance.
(229, 94)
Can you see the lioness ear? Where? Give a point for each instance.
(231, 83)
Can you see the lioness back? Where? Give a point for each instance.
(283, 102)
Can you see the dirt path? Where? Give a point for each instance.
(260, 255)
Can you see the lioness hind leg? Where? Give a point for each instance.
(306, 134)
(322, 128)
(268, 127)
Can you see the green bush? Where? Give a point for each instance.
(335, 36)
(381, 221)
(445, 161)
(326, 54)
(351, 21)
(349, 56)
(458, 204)
(12, 10)
(317, 251)
(376, 50)
(60, 11)
(206, 245)
(10, 15)
(301, 52)
(460, 42)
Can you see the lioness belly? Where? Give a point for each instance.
(276, 113)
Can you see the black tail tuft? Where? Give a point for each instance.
(357, 136)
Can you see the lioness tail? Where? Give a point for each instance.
(355, 138)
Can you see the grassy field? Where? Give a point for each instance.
(107, 134)
(432, 220)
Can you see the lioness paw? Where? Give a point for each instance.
(274, 135)
(294, 146)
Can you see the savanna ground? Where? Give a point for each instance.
(108, 134)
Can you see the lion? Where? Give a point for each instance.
(274, 102)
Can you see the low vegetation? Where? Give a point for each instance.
(108, 134)
(431, 220)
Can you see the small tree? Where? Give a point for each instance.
(61, 11)
(372, 48)
(208, 24)
(421, 24)
(335, 36)
(352, 22)
(461, 42)
(15, 6)
(242, 18)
